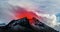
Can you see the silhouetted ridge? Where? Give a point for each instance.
(23, 25)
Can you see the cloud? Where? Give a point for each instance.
(47, 8)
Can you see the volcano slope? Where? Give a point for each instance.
(23, 25)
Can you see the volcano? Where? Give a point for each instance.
(23, 25)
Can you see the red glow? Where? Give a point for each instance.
(29, 15)
(21, 13)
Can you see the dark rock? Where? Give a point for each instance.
(23, 25)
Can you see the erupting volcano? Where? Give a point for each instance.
(26, 22)
(21, 13)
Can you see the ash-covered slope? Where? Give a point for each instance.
(23, 25)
